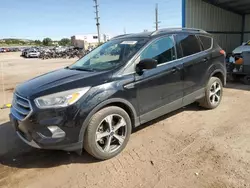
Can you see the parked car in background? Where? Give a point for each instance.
(11, 49)
(17, 49)
(244, 47)
(32, 53)
(24, 51)
(97, 101)
(14, 49)
(59, 49)
(5, 49)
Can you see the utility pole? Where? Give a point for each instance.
(156, 17)
(97, 20)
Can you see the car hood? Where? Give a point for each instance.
(59, 80)
(240, 49)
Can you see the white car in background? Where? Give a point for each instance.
(59, 49)
(244, 47)
(32, 53)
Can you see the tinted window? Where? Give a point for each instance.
(161, 50)
(189, 44)
(206, 42)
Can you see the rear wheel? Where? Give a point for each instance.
(107, 133)
(213, 94)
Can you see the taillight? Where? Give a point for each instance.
(223, 52)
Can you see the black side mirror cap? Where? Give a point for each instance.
(146, 64)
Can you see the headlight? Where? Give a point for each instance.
(61, 99)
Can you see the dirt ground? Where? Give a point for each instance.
(189, 148)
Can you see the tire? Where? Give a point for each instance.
(246, 80)
(99, 125)
(213, 94)
(232, 78)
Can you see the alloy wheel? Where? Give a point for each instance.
(111, 133)
(215, 93)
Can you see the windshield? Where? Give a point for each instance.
(247, 43)
(110, 55)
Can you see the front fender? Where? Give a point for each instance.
(103, 95)
(100, 106)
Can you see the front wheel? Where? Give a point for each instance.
(213, 94)
(107, 133)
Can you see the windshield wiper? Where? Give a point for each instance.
(79, 69)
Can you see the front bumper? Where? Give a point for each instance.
(32, 143)
(49, 129)
(71, 147)
(33, 55)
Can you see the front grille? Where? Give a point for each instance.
(20, 107)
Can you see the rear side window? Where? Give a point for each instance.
(162, 50)
(206, 42)
(189, 44)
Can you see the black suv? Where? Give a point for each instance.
(131, 79)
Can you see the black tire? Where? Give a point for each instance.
(90, 144)
(206, 101)
(246, 80)
(232, 78)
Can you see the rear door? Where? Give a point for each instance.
(196, 61)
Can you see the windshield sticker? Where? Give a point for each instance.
(129, 42)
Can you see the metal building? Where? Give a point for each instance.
(227, 20)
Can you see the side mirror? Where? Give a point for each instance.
(146, 64)
(244, 43)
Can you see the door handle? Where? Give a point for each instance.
(130, 86)
(205, 59)
(175, 70)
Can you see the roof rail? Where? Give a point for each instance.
(177, 29)
(119, 36)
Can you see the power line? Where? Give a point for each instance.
(97, 20)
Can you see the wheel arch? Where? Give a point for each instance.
(219, 74)
(122, 103)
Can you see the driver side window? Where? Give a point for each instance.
(162, 50)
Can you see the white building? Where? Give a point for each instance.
(88, 40)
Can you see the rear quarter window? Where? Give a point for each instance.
(206, 42)
(189, 44)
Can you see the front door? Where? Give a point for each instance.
(159, 90)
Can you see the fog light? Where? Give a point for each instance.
(56, 132)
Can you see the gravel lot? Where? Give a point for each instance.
(190, 147)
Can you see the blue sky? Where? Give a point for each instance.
(36, 19)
